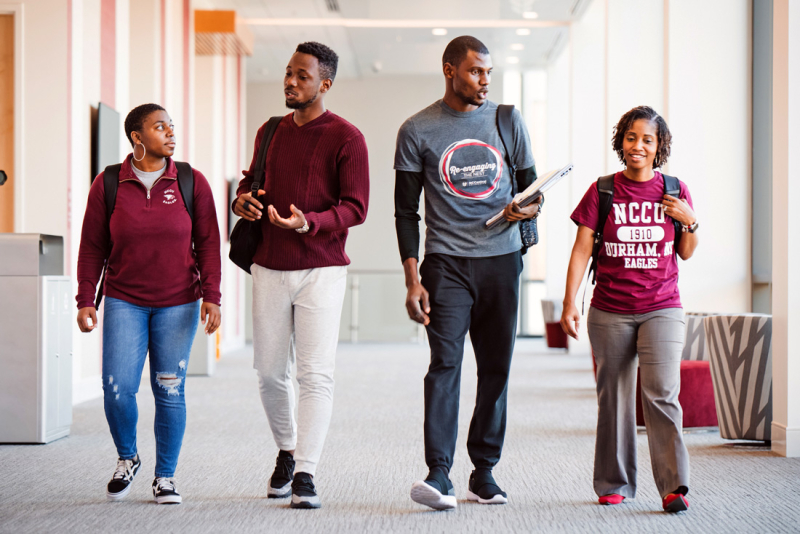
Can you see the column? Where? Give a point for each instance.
(785, 229)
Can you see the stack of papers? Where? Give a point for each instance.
(533, 192)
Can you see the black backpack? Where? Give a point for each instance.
(246, 235)
(605, 192)
(111, 183)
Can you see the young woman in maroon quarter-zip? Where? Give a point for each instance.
(160, 263)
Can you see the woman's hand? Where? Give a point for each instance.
(581, 254)
(86, 314)
(570, 320)
(210, 316)
(679, 210)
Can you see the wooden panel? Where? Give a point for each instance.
(7, 121)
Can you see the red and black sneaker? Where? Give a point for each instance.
(611, 498)
(675, 502)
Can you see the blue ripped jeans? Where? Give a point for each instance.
(129, 333)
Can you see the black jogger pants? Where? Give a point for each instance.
(479, 296)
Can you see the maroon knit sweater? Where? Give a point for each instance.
(321, 168)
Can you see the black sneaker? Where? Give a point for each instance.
(165, 492)
(304, 494)
(280, 483)
(120, 484)
(436, 491)
(483, 488)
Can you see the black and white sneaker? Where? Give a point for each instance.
(120, 484)
(483, 489)
(304, 494)
(165, 492)
(280, 483)
(436, 491)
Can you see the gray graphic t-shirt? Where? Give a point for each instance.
(466, 177)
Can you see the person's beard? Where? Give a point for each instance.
(302, 105)
(472, 99)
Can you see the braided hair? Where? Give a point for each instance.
(135, 119)
(662, 131)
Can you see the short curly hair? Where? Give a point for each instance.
(328, 60)
(662, 131)
(135, 119)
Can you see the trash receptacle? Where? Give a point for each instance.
(35, 339)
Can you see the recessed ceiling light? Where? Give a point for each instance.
(512, 59)
(439, 31)
(524, 31)
(517, 46)
(530, 15)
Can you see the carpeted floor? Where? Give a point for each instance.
(374, 453)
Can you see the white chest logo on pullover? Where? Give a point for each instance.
(169, 196)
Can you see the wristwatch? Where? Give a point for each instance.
(691, 228)
(305, 229)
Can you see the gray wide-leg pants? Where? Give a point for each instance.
(657, 337)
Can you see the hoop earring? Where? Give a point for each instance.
(134, 152)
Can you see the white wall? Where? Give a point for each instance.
(560, 230)
(709, 100)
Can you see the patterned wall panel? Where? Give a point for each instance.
(695, 347)
(740, 349)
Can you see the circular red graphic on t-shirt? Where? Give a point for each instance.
(471, 169)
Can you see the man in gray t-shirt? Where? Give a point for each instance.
(470, 277)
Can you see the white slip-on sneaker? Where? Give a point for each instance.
(425, 492)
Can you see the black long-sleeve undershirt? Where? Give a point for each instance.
(407, 191)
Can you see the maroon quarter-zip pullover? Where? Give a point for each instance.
(322, 168)
(148, 243)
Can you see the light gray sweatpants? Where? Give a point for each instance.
(296, 317)
(658, 339)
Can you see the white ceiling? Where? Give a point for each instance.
(387, 51)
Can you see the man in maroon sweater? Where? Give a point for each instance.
(316, 187)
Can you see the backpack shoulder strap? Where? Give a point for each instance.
(605, 195)
(261, 160)
(110, 184)
(186, 186)
(504, 114)
(672, 187)
(605, 199)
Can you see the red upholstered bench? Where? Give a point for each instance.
(696, 396)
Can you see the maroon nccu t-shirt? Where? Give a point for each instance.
(637, 269)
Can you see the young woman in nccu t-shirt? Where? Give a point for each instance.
(636, 309)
